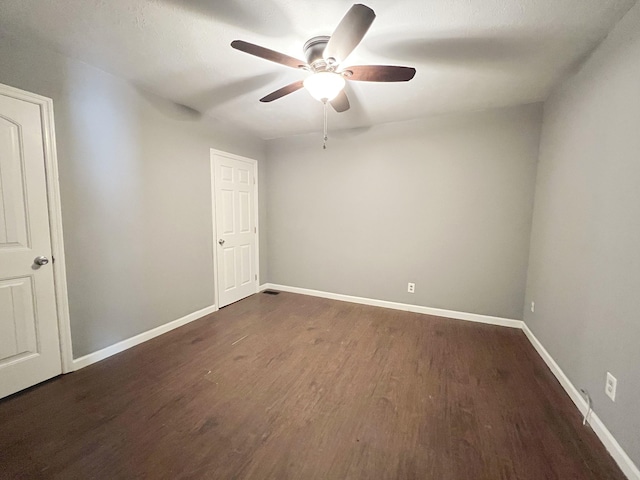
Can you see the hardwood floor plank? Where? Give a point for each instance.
(298, 387)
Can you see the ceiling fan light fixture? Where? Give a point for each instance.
(324, 86)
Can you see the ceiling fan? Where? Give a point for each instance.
(324, 56)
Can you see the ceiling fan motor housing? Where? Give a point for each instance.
(314, 52)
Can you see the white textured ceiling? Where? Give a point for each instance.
(469, 54)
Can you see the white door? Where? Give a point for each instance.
(29, 342)
(236, 230)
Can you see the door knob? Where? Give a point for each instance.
(221, 242)
(41, 260)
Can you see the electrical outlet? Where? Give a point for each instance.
(411, 288)
(610, 386)
(533, 307)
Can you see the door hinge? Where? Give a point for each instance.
(256, 276)
(53, 259)
(255, 229)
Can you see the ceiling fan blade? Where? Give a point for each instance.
(281, 92)
(379, 73)
(267, 54)
(340, 103)
(349, 32)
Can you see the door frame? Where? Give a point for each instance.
(212, 166)
(55, 218)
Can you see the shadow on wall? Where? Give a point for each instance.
(203, 102)
(209, 99)
(102, 184)
(167, 108)
(136, 185)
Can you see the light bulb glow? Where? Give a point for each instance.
(324, 86)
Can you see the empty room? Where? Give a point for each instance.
(320, 240)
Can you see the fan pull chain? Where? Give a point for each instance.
(324, 106)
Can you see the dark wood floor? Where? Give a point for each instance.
(296, 387)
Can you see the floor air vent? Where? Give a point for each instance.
(271, 292)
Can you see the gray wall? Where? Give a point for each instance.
(136, 200)
(445, 203)
(584, 270)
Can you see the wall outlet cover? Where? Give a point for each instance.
(610, 386)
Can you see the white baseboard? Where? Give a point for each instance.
(472, 317)
(619, 455)
(94, 357)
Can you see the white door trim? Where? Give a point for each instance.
(55, 217)
(214, 218)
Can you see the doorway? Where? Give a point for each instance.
(235, 226)
(35, 339)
